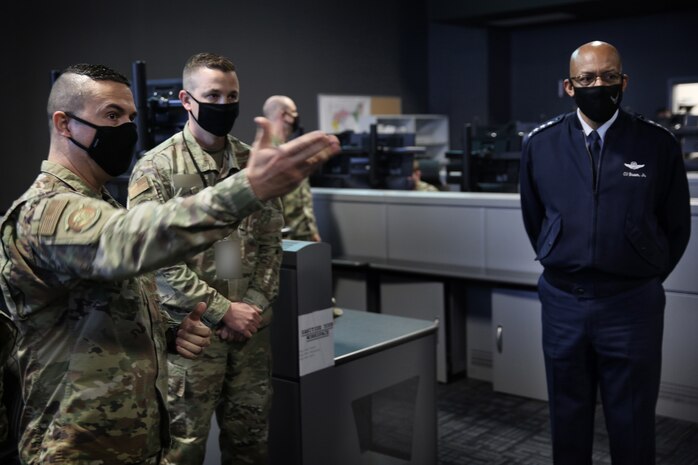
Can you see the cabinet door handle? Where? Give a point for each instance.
(500, 335)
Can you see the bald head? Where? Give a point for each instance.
(595, 57)
(596, 81)
(283, 114)
(276, 105)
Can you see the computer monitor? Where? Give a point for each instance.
(370, 161)
(492, 159)
(166, 115)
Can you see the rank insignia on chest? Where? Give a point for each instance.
(82, 219)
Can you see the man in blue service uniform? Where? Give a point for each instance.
(605, 203)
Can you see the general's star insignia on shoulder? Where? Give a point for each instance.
(545, 125)
(653, 123)
(82, 219)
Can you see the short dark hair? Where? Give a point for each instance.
(69, 91)
(205, 60)
(209, 60)
(97, 73)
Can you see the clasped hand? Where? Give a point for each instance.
(240, 322)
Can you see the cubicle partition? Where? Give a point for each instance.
(354, 389)
(465, 258)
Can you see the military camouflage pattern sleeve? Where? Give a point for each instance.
(308, 211)
(298, 212)
(185, 287)
(260, 235)
(4, 424)
(425, 187)
(7, 338)
(88, 238)
(265, 226)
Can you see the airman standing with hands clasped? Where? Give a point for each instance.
(605, 202)
(238, 277)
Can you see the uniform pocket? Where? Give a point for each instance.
(187, 184)
(550, 234)
(644, 243)
(177, 377)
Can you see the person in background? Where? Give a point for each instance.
(299, 216)
(605, 203)
(420, 185)
(238, 277)
(75, 272)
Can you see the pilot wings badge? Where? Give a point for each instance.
(633, 165)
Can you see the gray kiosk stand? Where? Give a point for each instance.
(376, 404)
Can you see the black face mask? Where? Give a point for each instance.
(296, 124)
(112, 146)
(296, 129)
(598, 103)
(216, 118)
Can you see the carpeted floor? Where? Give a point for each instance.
(480, 427)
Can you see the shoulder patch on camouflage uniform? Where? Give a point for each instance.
(82, 219)
(138, 187)
(546, 125)
(51, 215)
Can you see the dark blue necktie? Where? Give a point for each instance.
(595, 150)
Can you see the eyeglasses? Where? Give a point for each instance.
(587, 79)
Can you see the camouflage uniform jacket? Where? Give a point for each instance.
(425, 187)
(91, 336)
(299, 214)
(7, 340)
(175, 168)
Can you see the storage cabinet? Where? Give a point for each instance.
(678, 390)
(518, 366)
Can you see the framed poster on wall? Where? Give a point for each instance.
(338, 113)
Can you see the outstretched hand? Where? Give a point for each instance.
(193, 336)
(275, 171)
